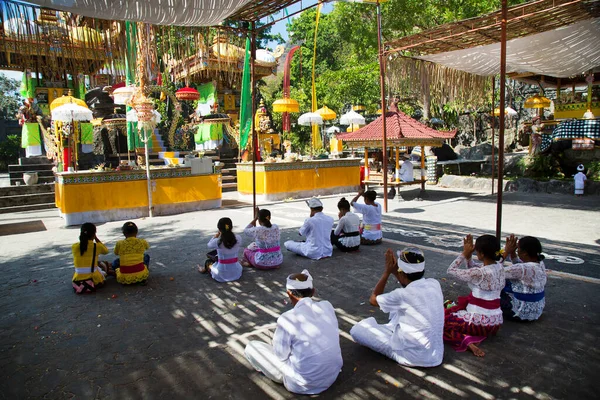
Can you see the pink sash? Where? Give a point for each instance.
(269, 250)
(229, 261)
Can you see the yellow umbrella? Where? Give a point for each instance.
(61, 101)
(326, 113)
(286, 105)
(537, 101)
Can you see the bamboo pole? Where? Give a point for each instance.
(383, 106)
(252, 127)
(502, 112)
(397, 164)
(493, 130)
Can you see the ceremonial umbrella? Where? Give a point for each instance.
(352, 117)
(333, 129)
(309, 119)
(537, 101)
(70, 112)
(132, 116)
(67, 100)
(326, 113)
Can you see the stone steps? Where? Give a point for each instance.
(41, 165)
(26, 198)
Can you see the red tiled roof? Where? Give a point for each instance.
(401, 129)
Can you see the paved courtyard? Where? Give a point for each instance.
(183, 335)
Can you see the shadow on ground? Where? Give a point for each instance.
(182, 335)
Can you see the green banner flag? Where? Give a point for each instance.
(246, 101)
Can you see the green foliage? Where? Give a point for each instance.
(10, 98)
(593, 170)
(541, 166)
(9, 151)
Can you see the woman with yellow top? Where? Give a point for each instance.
(132, 266)
(88, 275)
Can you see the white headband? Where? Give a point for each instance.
(408, 267)
(293, 284)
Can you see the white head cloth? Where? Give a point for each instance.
(408, 267)
(580, 167)
(293, 284)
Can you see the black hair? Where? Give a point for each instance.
(343, 204)
(317, 209)
(489, 246)
(300, 293)
(371, 195)
(412, 257)
(531, 246)
(129, 229)
(264, 217)
(415, 276)
(88, 232)
(228, 238)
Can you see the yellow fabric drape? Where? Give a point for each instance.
(316, 141)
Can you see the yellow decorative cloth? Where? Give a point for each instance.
(85, 261)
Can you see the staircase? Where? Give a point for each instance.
(41, 165)
(26, 198)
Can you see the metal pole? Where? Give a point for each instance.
(383, 107)
(502, 111)
(493, 131)
(252, 127)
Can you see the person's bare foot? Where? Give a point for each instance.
(202, 269)
(476, 350)
(245, 263)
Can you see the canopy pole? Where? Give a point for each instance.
(423, 167)
(366, 164)
(383, 107)
(502, 111)
(252, 127)
(493, 130)
(397, 164)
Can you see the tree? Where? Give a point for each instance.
(10, 99)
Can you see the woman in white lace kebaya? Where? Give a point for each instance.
(478, 315)
(523, 298)
(264, 252)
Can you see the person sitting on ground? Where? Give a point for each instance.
(133, 262)
(222, 262)
(522, 298)
(89, 272)
(478, 315)
(306, 355)
(413, 337)
(346, 235)
(317, 230)
(406, 171)
(371, 212)
(264, 252)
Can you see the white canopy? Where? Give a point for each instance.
(352, 117)
(159, 12)
(563, 52)
(310, 119)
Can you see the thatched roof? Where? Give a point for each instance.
(523, 20)
(401, 129)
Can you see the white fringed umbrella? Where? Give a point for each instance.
(310, 118)
(352, 117)
(71, 112)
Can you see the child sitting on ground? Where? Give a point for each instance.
(265, 251)
(223, 263)
(132, 266)
(89, 272)
(346, 235)
(371, 212)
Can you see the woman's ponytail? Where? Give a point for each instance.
(88, 232)
(228, 238)
(264, 217)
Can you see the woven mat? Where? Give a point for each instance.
(22, 227)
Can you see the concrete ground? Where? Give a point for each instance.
(182, 335)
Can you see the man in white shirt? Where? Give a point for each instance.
(317, 230)
(406, 171)
(306, 355)
(414, 334)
